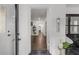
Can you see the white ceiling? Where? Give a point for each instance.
(72, 5)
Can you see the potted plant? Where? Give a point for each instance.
(66, 45)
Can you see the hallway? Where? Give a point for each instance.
(21, 24)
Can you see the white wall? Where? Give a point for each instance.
(24, 29)
(72, 9)
(54, 37)
(54, 12)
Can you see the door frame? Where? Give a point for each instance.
(16, 29)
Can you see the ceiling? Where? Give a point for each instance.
(72, 5)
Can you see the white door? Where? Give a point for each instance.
(7, 29)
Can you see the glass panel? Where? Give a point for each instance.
(2, 20)
(74, 29)
(66, 20)
(66, 31)
(74, 21)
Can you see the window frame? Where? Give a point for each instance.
(69, 21)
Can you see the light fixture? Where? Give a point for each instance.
(58, 24)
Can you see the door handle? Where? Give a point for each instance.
(19, 38)
(15, 39)
(9, 34)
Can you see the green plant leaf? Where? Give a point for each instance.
(66, 45)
